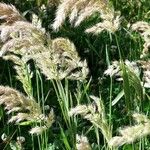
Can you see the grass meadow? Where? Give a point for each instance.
(74, 75)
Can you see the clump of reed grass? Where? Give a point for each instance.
(95, 113)
(78, 11)
(24, 110)
(20, 39)
(130, 134)
(57, 59)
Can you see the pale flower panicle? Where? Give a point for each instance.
(82, 143)
(130, 134)
(96, 116)
(9, 13)
(80, 10)
(24, 109)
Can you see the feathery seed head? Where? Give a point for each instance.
(82, 143)
(81, 109)
(82, 9)
(140, 118)
(20, 139)
(61, 61)
(132, 133)
(9, 13)
(140, 26)
(25, 109)
(38, 130)
(96, 117)
(116, 141)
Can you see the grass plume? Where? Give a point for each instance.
(80, 10)
(130, 134)
(95, 113)
(25, 110)
(9, 13)
(82, 143)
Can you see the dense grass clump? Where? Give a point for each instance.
(74, 75)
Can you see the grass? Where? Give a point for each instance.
(68, 89)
